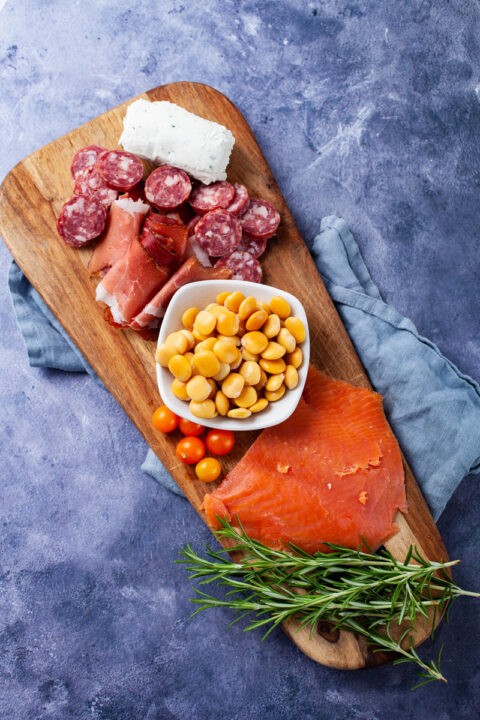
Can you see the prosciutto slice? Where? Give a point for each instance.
(126, 217)
(131, 283)
(191, 271)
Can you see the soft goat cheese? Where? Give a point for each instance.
(166, 133)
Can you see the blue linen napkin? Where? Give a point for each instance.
(434, 409)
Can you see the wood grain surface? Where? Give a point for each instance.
(30, 199)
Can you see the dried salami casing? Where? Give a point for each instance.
(168, 187)
(255, 246)
(218, 233)
(243, 266)
(192, 224)
(81, 220)
(260, 219)
(210, 197)
(90, 182)
(240, 200)
(120, 170)
(85, 157)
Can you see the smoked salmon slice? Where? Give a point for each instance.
(332, 472)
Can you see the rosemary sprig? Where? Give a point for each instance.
(370, 594)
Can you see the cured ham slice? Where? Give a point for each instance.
(126, 216)
(131, 283)
(191, 271)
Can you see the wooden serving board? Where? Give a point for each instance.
(30, 199)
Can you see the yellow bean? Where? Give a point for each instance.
(190, 339)
(178, 341)
(273, 351)
(225, 350)
(259, 405)
(237, 362)
(274, 382)
(249, 356)
(189, 357)
(180, 367)
(263, 306)
(227, 323)
(207, 344)
(222, 403)
(276, 394)
(200, 337)
(215, 309)
(232, 338)
(251, 372)
(213, 387)
(233, 385)
(198, 388)
(204, 322)
(256, 320)
(207, 363)
(205, 409)
(223, 372)
(241, 413)
(222, 297)
(233, 301)
(163, 354)
(291, 377)
(179, 389)
(188, 317)
(295, 358)
(286, 339)
(210, 306)
(280, 307)
(262, 382)
(255, 342)
(247, 397)
(273, 367)
(272, 326)
(247, 307)
(296, 327)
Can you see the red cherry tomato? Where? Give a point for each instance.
(164, 419)
(190, 428)
(220, 442)
(190, 450)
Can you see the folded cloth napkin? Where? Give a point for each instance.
(434, 409)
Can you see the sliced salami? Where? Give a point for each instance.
(243, 266)
(81, 220)
(168, 187)
(85, 157)
(240, 200)
(120, 170)
(260, 219)
(255, 246)
(210, 197)
(218, 233)
(191, 225)
(90, 182)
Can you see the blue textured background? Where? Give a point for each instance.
(369, 110)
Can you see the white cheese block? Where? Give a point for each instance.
(166, 133)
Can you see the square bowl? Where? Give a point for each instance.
(200, 294)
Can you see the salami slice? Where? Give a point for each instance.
(218, 233)
(191, 225)
(90, 182)
(260, 219)
(120, 170)
(240, 200)
(85, 157)
(243, 266)
(81, 220)
(255, 246)
(210, 197)
(168, 187)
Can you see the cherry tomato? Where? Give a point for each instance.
(190, 428)
(190, 450)
(220, 442)
(164, 419)
(208, 469)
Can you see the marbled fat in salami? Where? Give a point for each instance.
(90, 182)
(218, 233)
(85, 157)
(240, 200)
(168, 187)
(81, 220)
(210, 197)
(243, 266)
(120, 170)
(255, 246)
(260, 219)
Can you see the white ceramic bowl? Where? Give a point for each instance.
(200, 294)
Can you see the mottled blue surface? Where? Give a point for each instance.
(368, 110)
